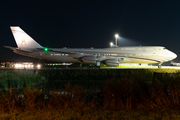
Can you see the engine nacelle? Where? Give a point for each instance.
(89, 59)
(112, 62)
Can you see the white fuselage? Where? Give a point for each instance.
(138, 54)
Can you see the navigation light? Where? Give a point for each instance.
(45, 49)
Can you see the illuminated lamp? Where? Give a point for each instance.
(111, 44)
(45, 49)
(116, 36)
(38, 66)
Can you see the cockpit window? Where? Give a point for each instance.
(164, 48)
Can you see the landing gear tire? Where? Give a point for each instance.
(90, 66)
(159, 66)
(93, 66)
(97, 67)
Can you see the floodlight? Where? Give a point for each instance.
(116, 35)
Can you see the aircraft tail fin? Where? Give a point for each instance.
(23, 40)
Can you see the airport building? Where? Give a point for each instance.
(32, 65)
(20, 65)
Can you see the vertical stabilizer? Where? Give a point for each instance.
(23, 40)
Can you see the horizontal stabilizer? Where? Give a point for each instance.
(17, 49)
(12, 48)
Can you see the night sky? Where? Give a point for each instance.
(91, 23)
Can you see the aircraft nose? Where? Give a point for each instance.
(173, 55)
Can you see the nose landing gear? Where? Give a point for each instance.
(160, 66)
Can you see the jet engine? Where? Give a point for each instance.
(112, 62)
(89, 59)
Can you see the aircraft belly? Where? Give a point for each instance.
(133, 60)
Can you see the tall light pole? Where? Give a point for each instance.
(116, 36)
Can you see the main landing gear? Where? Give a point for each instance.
(97, 65)
(93, 66)
(160, 66)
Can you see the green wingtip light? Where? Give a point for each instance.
(45, 49)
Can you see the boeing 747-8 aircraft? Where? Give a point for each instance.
(27, 46)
